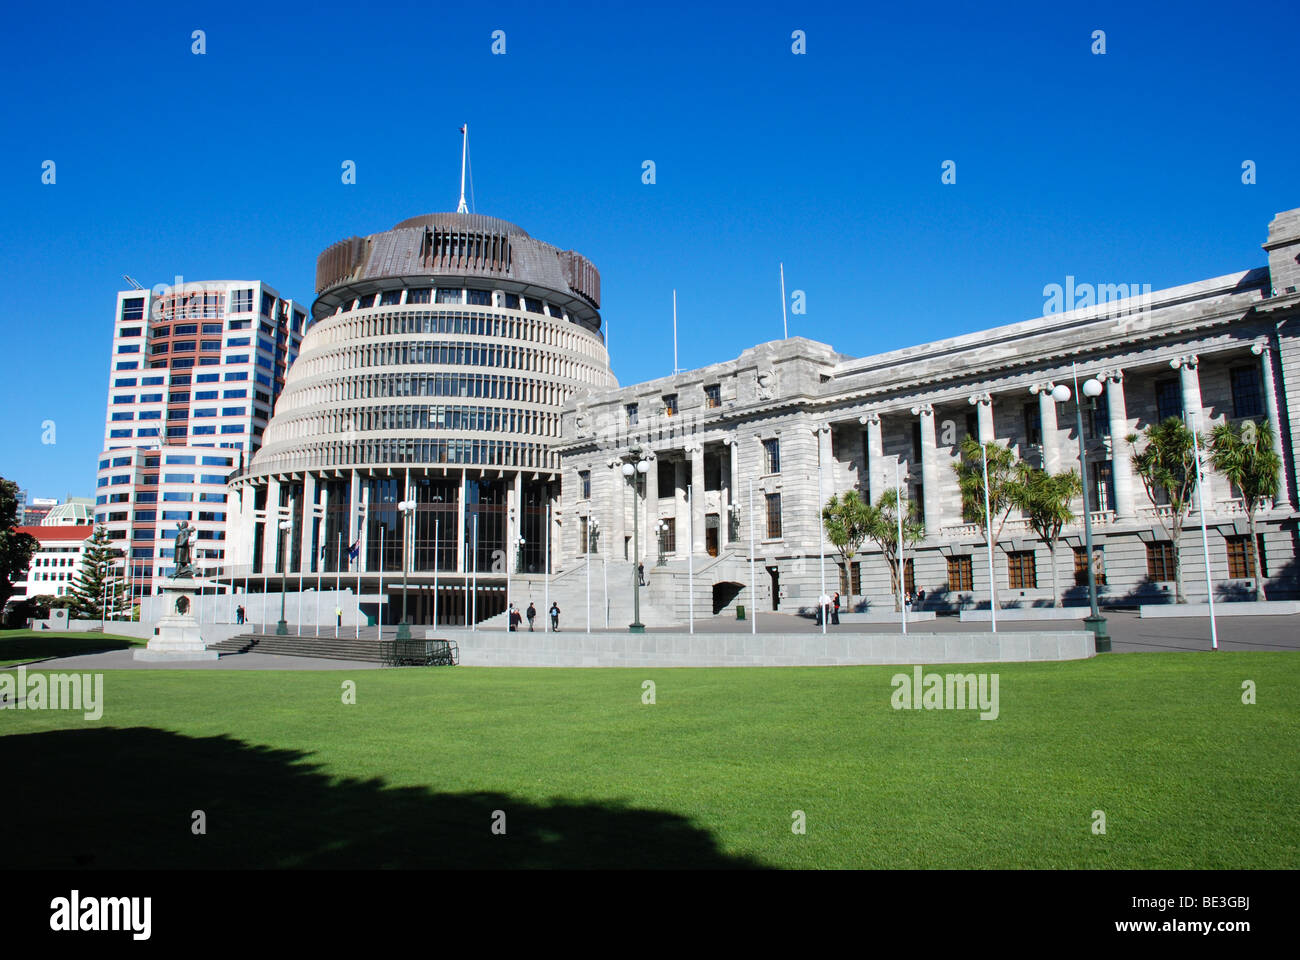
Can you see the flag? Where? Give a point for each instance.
(462, 129)
(354, 550)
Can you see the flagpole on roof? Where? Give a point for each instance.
(464, 143)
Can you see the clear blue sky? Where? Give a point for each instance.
(1117, 168)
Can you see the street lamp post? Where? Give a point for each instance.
(1061, 394)
(634, 472)
(407, 509)
(661, 533)
(282, 628)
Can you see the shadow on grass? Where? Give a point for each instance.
(124, 798)
(29, 646)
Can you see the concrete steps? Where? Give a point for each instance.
(327, 648)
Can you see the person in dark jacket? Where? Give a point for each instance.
(835, 612)
(532, 615)
(555, 617)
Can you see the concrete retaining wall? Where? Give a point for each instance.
(478, 648)
(1269, 608)
(1027, 613)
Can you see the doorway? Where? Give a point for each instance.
(711, 527)
(775, 574)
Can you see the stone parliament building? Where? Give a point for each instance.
(775, 432)
(452, 425)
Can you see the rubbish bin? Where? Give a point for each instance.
(740, 611)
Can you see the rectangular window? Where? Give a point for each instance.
(1033, 423)
(237, 375)
(391, 298)
(420, 295)
(961, 573)
(1021, 571)
(1160, 561)
(584, 482)
(268, 302)
(670, 405)
(480, 298)
(128, 348)
(186, 329)
(1169, 400)
(773, 516)
(669, 534)
(241, 301)
(447, 295)
(533, 306)
(772, 456)
(133, 309)
(631, 414)
(1247, 392)
(124, 382)
(127, 365)
(713, 396)
(1241, 558)
(1081, 566)
(129, 332)
(510, 301)
(178, 478)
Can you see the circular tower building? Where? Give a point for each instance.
(432, 373)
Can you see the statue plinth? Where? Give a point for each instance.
(176, 637)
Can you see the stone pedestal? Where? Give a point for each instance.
(176, 637)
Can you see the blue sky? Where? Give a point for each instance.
(1118, 168)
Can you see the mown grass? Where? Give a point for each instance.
(24, 646)
(587, 775)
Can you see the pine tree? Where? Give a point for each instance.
(92, 578)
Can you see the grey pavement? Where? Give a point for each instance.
(124, 660)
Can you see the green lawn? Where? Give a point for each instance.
(288, 775)
(24, 646)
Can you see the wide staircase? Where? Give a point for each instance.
(345, 647)
(664, 599)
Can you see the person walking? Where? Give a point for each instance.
(514, 618)
(555, 617)
(338, 616)
(532, 615)
(640, 573)
(239, 615)
(835, 612)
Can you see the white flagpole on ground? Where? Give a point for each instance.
(437, 557)
(988, 536)
(547, 601)
(588, 545)
(604, 563)
(690, 551)
(753, 583)
(379, 632)
(338, 586)
(1205, 538)
(898, 492)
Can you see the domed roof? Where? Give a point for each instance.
(467, 222)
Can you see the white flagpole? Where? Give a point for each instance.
(473, 624)
(988, 536)
(1205, 538)
(753, 583)
(785, 328)
(588, 545)
(604, 563)
(690, 551)
(898, 492)
(821, 542)
(676, 369)
(379, 632)
(338, 586)
(437, 529)
(464, 143)
(320, 563)
(547, 601)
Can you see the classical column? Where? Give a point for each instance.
(650, 513)
(271, 538)
(697, 498)
(363, 518)
(1047, 425)
(1190, 381)
(734, 498)
(1121, 470)
(353, 532)
(930, 500)
(306, 558)
(679, 508)
(1262, 349)
(827, 462)
(615, 485)
(983, 404)
(875, 456)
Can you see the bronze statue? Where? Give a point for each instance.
(184, 537)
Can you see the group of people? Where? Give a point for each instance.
(833, 605)
(516, 618)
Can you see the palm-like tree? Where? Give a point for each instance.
(882, 527)
(1167, 465)
(846, 520)
(1044, 499)
(970, 480)
(1245, 455)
